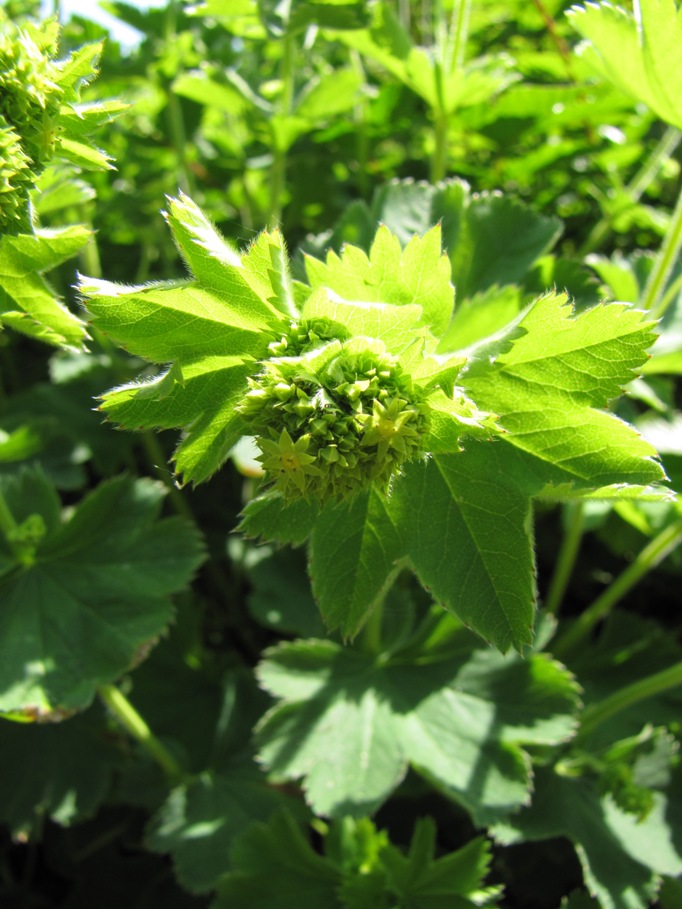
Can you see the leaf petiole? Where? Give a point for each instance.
(631, 694)
(648, 559)
(566, 557)
(135, 725)
(652, 298)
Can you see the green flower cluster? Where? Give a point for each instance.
(30, 101)
(16, 177)
(333, 415)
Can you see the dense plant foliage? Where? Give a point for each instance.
(371, 600)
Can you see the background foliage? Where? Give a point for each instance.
(194, 716)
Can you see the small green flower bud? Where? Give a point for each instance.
(334, 419)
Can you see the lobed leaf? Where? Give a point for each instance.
(96, 591)
(348, 724)
(354, 548)
(649, 42)
(417, 275)
(621, 857)
(468, 537)
(57, 770)
(200, 819)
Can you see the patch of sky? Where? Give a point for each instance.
(124, 34)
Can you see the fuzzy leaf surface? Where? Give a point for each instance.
(349, 725)
(546, 384)
(353, 550)
(97, 591)
(417, 275)
(470, 540)
(211, 330)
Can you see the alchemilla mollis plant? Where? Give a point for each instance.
(368, 427)
(337, 619)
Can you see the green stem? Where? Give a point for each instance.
(655, 285)
(279, 162)
(360, 113)
(636, 188)
(157, 461)
(451, 43)
(458, 35)
(567, 556)
(7, 523)
(91, 263)
(671, 293)
(134, 724)
(371, 638)
(176, 122)
(625, 697)
(651, 556)
(439, 159)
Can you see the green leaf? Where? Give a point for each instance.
(280, 597)
(430, 72)
(27, 302)
(271, 517)
(83, 155)
(418, 274)
(57, 770)
(354, 548)
(349, 724)
(200, 88)
(395, 325)
(300, 14)
(470, 541)
(200, 819)
(453, 880)
(621, 857)
(177, 320)
(490, 239)
(329, 95)
(275, 866)
(211, 330)
(648, 42)
(209, 388)
(97, 590)
(546, 387)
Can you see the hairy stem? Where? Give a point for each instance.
(648, 559)
(625, 697)
(134, 724)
